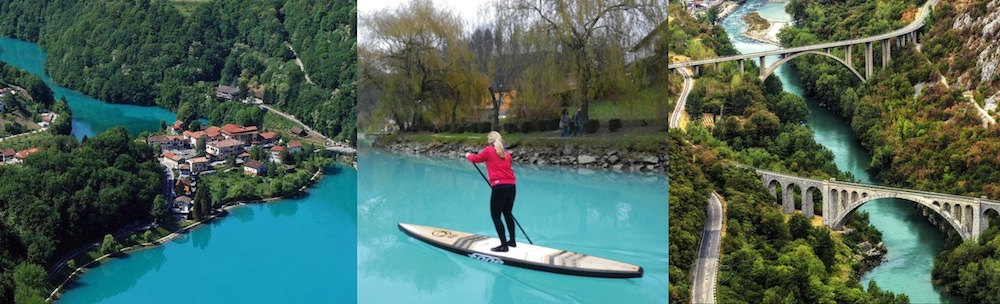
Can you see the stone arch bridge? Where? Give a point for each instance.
(968, 215)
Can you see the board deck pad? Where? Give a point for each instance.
(524, 255)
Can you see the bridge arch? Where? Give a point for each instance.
(952, 213)
(773, 67)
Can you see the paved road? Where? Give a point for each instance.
(707, 266)
(330, 144)
(675, 117)
(916, 24)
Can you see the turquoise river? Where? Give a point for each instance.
(912, 241)
(299, 250)
(613, 215)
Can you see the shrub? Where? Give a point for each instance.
(446, 128)
(552, 124)
(614, 124)
(527, 126)
(484, 127)
(590, 126)
(510, 128)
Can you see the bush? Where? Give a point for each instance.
(553, 124)
(446, 128)
(614, 124)
(590, 126)
(527, 126)
(510, 128)
(484, 127)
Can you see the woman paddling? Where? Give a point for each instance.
(498, 165)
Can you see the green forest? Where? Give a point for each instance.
(152, 53)
(66, 195)
(766, 255)
(914, 119)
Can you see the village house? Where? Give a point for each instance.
(184, 170)
(223, 149)
(294, 147)
(198, 164)
(241, 133)
(167, 142)
(183, 205)
(20, 156)
(254, 167)
(172, 160)
(178, 127)
(227, 93)
(7, 155)
(276, 153)
(267, 138)
(298, 131)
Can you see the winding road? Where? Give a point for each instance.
(706, 268)
(675, 117)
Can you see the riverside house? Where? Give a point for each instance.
(223, 149)
(254, 167)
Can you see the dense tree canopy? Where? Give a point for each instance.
(68, 194)
(147, 52)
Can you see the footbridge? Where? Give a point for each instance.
(900, 37)
(968, 215)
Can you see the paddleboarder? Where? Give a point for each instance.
(501, 177)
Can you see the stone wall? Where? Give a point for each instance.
(554, 155)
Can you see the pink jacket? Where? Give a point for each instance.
(499, 169)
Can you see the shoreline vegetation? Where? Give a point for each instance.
(180, 231)
(634, 153)
(763, 30)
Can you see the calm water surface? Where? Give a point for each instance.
(90, 116)
(294, 251)
(616, 216)
(912, 241)
(298, 250)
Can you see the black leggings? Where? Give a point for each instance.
(502, 201)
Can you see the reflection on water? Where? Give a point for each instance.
(612, 215)
(303, 253)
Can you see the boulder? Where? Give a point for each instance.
(585, 159)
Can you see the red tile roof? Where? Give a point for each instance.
(25, 153)
(226, 143)
(213, 131)
(253, 163)
(8, 152)
(294, 144)
(268, 135)
(277, 149)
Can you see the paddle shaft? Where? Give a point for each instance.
(512, 215)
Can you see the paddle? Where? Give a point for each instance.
(512, 216)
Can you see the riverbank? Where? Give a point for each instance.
(577, 153)
(223, 211)
(768, 34)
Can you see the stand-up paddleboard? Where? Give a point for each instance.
(524, 255)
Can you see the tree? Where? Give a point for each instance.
(29, 283)
(203, 200)
(412, 65)
(110, 245)
(199, 146)
(585, 29)
(159, 210)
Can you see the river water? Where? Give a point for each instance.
(90, 116)
(912, 241)
(299, 250)
(613, 215)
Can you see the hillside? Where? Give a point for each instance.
(150, 53)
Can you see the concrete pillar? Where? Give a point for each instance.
(885, 53)
(697, 70)
(762, 66)
(827, 50)
(868, 60)
(808, 207)
(788, 200)
(977, 220)
(829, 211)
(847, 54)
(740, 64)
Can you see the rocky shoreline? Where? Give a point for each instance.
(551, 155)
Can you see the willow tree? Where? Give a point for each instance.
(585, 31)
(408, 58)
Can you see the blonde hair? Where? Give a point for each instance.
(494, 139)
